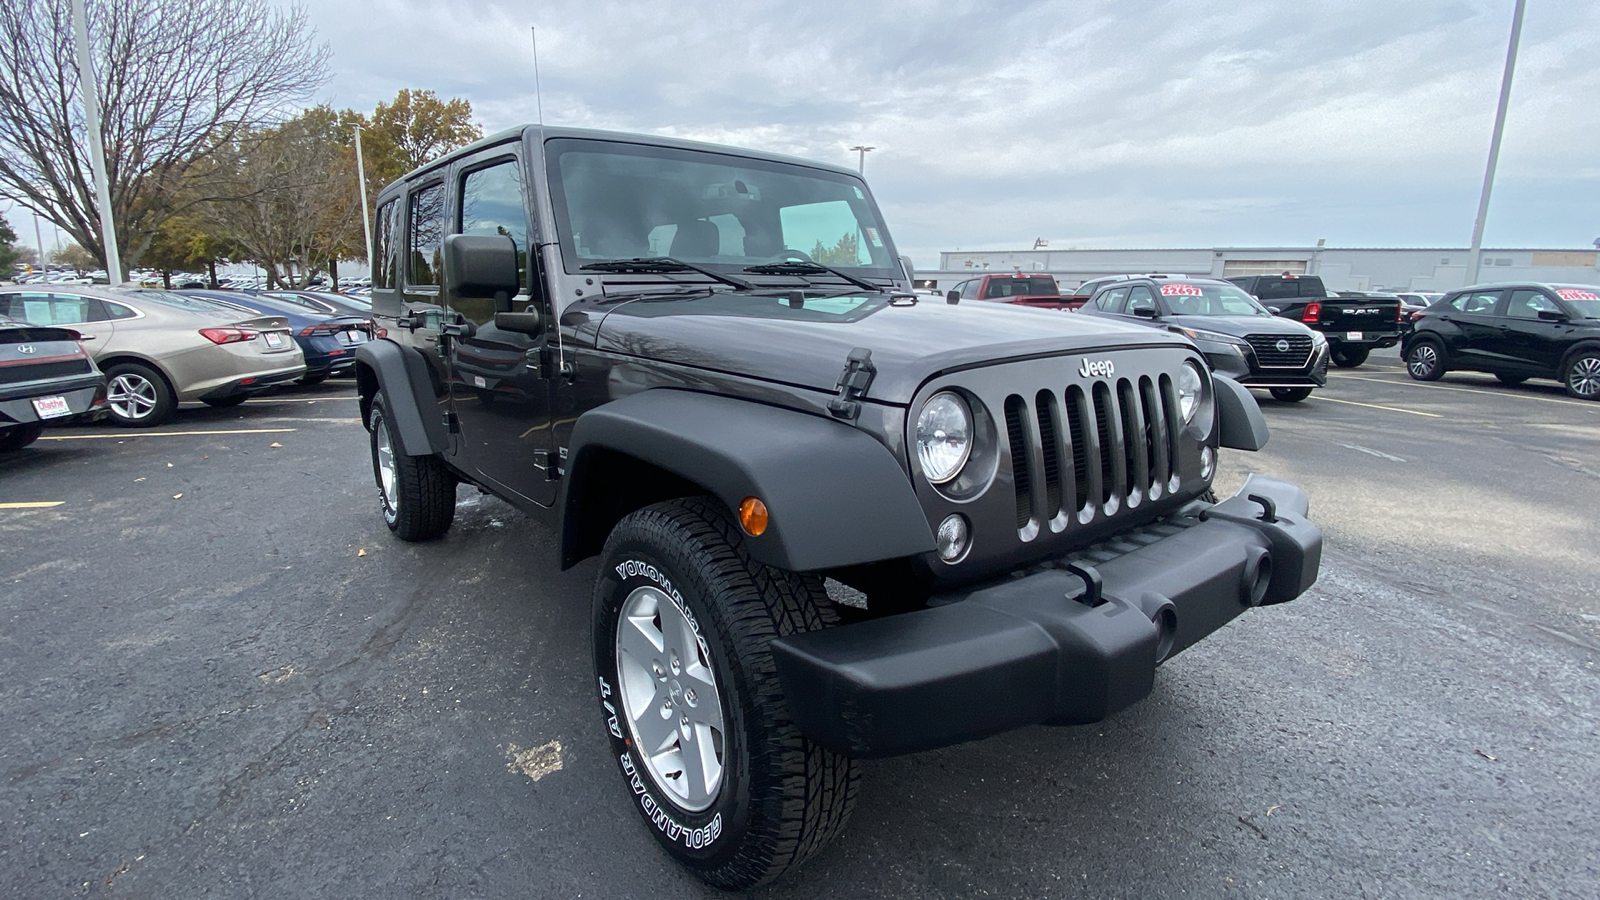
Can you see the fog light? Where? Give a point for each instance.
(952, 538)
(1207, 459)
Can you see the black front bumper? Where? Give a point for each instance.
(1041, 647)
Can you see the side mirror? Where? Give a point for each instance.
(480, 265)
(1551, 315)
(953, 297)
(1144, 312)
(1275, 310)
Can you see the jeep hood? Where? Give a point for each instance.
(765, 336)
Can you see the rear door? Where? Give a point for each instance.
(1477, 339)
(497, 379)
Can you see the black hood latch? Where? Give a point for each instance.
(853, 384)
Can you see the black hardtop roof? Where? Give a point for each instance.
(545, 132)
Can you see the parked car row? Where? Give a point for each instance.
(327, 340)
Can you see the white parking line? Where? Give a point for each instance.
(1409, 382)
(140, 434)
(37, 504)
(1397, 409)
(301, 399)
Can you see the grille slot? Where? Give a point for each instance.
(1021, 458)
(1077, 409)
(1270, 357)
(40, 370)
(1050, 442)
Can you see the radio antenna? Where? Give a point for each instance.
(537, 93)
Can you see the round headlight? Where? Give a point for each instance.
(1190, 382)
(944, 436)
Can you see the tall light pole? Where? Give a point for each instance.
(861, 160)
(1473, 257)
(361, 186)
(97, 152)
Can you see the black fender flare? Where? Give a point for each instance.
(1584, 345)
(835, 496)
(1238, 415)
(403, 377)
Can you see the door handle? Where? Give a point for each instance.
(462, 329)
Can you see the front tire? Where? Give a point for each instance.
(1583, 375)
(1425, 360)
(1350, 357)
(417, 494)
(698, 723)
(18, 436)
(138, 396)
(1291, 395)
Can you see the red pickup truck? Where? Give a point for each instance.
(1012, 287)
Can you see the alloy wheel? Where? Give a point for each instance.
(386, 470)
(1424, 359)
(670, 698)
(1584, 377)
(131, 396)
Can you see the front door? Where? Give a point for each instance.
(1533, 343)
(499, 386)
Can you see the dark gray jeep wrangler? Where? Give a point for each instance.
(834, 520)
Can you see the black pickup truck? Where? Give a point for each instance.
(834, 519)
(1354, 326)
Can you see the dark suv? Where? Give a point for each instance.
(705, 367)
(1239, 337)
(1516, 331)
(1353, 326)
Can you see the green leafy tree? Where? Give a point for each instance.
(844, 253)
(9, 251)
(76, 258)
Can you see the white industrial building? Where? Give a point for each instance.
(1342, 269)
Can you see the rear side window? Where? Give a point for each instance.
(1480, 302)
(425, 240)
(383, 247)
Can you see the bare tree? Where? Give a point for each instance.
(177, 79)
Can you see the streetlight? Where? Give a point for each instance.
(1475, 254)
(861, 160)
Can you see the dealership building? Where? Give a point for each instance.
(1342, 269)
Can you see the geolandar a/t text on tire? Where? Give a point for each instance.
(831, 521)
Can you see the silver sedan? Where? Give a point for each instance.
(158, 349)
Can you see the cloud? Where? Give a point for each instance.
(1186, 123)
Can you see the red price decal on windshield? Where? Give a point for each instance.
(1570, 294)
(1181, 290)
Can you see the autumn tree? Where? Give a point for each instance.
(76, 258)
(185, 243)
(415, 129)
(176, 79)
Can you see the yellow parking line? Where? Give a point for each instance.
(1411, 382)
(37, 504)
(136, 434)
(1397, 409)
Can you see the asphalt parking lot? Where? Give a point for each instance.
(222, 677)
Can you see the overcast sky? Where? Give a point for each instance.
(1089, 124)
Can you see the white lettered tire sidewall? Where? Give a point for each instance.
(701, 838)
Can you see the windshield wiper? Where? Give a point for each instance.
(664, 264)
(807, 267)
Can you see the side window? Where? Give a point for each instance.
(425, 240)
(1480, 302)
(491, 203)
(383, 247)
(70, 309)
(1528, 305)
(969, 290)
(1139, 297)
(118, 311)
(1111, 301)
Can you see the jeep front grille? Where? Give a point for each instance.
(1120, 435)
(1271, 357)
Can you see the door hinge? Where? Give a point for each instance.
(547, 460)
(452, 424)
(853, 383)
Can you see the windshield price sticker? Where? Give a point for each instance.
(1181, 290)
(1571, 294)
(872, 235)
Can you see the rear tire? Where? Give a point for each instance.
(416, 494)
(1425, 360)
(682, 615)
(1291, 395)
(138, 396)
(1582, 376)
(18, 436)
(1350, 357)
(226, 402)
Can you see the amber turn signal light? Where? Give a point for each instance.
(753, 516)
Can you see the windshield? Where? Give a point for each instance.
(1189, 299)
(625, 201)
(1584, 300)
